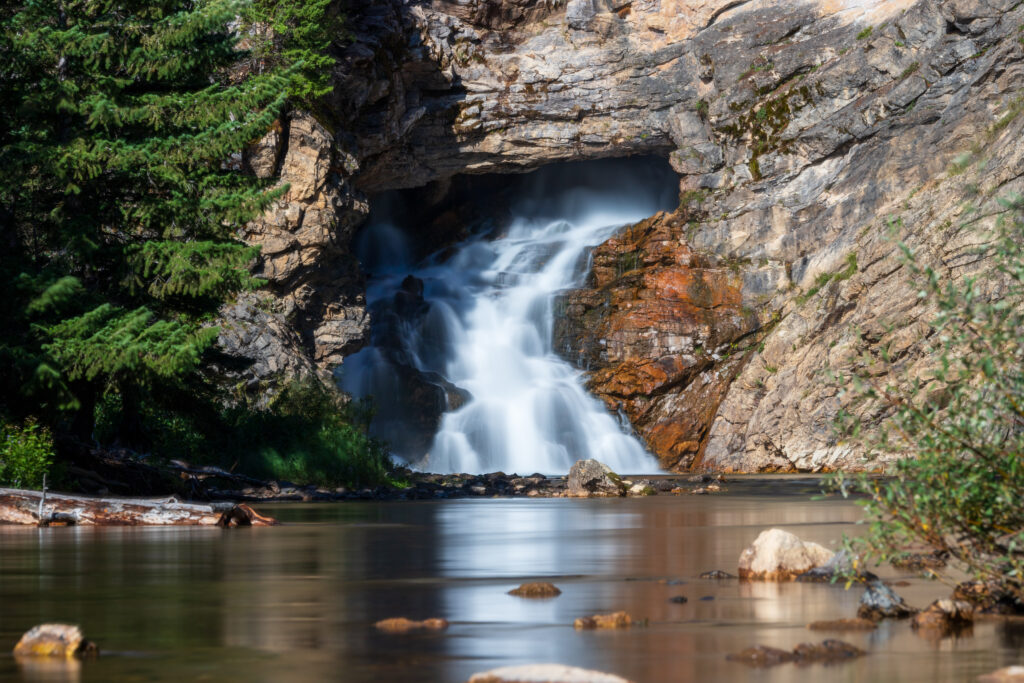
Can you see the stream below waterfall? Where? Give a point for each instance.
(298, 602)
(461, 369)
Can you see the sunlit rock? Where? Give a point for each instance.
(778, 555)
(544, 673)
(54, 640)
(538, 589)
(403, 625)
(600, 621)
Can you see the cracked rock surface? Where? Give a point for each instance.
(801, 131)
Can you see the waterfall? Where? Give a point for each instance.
(461, 367)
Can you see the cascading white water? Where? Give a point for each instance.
(485, 326)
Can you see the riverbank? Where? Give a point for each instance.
(426, 486)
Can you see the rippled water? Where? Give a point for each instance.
(297, 602)
(486, 325)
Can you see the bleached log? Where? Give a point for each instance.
(19, 506)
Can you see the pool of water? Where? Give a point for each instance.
(297, 602)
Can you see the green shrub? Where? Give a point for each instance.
(26, 454)
(959, 428)
(307, 435)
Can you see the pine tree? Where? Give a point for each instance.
(119, 201)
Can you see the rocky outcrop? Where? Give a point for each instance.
(663, 332)
(800, 131)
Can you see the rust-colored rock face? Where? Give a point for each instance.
(662, 331)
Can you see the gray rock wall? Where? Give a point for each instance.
(798, 129)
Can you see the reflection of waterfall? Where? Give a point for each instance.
(461, 366)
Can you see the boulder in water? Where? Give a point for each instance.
(615, 620)
(544, 673)
(54, 640)
(537, 589)
(778, 555)
(881, 602)
(403, 625)
(592, 478)
(944, 616)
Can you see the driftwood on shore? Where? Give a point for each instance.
(37, 508)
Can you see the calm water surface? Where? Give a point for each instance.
(297, 602)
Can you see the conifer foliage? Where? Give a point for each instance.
(119, 121)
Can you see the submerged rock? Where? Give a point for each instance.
(615, 620)
(592, 478)
(717, 574)
(881, 602)
(945, 616)
(544, 673)
(54, 640)
(537, 589)
(403, 625)
(678, 599)
(1009, 674)
(778, 555)
(828, 651)
(856, 624)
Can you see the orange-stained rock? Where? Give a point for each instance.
(662, 331)
(538, 589)
(403, 625)
(615, 620)
(54, 640)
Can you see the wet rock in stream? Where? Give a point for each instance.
(778, 555)
(537, 589)
(600, 621)
(544, 673)
(881, 602)
(403, 625)
(826, 652)
(54, 640)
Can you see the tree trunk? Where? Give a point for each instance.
(51, 509)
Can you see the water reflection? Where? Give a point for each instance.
(297, 602)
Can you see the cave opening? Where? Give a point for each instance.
(462, 278)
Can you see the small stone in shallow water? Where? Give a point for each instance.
(54, 640)
(537, 589)
(678, 599)
(855, 624)
(707, 598)
(945, 616)
(403, 625)
(827, 651)
(717, 574)
(544, 673)
(615, 620)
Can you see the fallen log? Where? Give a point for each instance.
(39, 508)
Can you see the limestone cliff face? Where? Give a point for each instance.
(799, 129)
